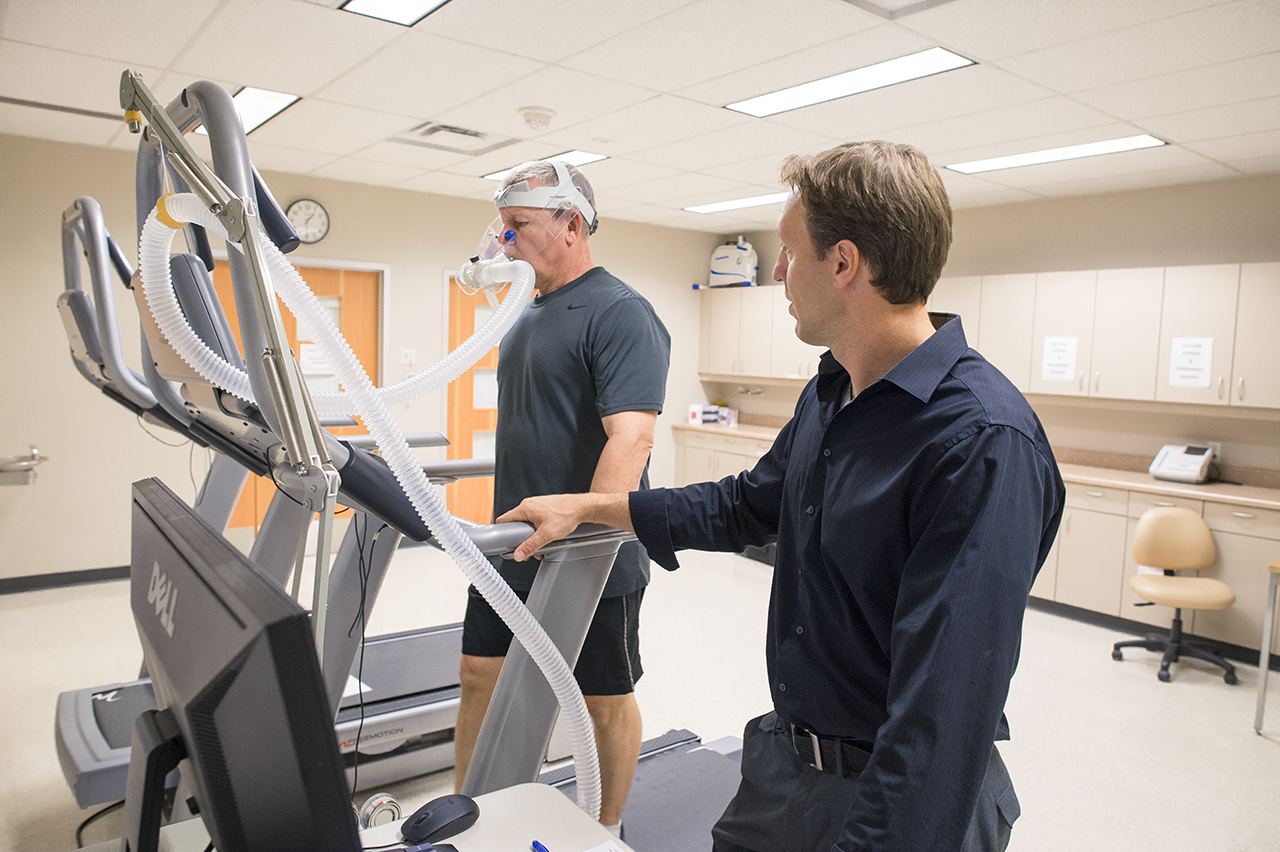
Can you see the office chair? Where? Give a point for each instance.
(1174, 539)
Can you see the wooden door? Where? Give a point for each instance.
(473, 408)
(352, 296)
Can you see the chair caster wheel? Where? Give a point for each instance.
(1117, 654)
(1164, 676)
(1230, 677)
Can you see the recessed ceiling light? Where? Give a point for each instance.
(573, 158)
(1054, 155)
(257, 107)
(913, 66)
(406, 13)
(739, 203)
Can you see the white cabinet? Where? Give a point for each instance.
(1248, 540)
(791, 357)
(1007, 316)
(1062, 339)
(1047, 579)
(732, 320)
(704, 456)
(962, 296)
(1255, 377)
(1091, 543)
(1126, 333)
(1197, 333)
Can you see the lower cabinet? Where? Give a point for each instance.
(709, 456)
(1091, 562)
(1091, 549)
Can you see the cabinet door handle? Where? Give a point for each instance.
(1096, 380)
(1221, 385)
(1066, 523)
(1095, 493)
(1240, 389)
(1246, 515)
(1164, 503)
(1081, 381)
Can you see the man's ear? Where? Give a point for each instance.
(848, 262)
(576, 229)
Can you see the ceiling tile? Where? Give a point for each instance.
(1003, 147)
(680, 186)
(1199, 88)
(760, 139)
(659, 120)
(993, 29)
(606, 175)
(1005, 125)
(708, 39)
(423, 74)
(558, 29)
(283, 45)
(414, 156)
(330, 128)
(504, 158)
(150, 31)
(444, 183)
(1260, 166)
(1141, 180)
(366, 171)
(575, 97)
(277, 159)
(1216, 122)
(64, 79)
(867, 47)
(1218, 33)
(58, 126)
(1248, 146)
(995, 196)
(961, 92)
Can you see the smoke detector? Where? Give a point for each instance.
(537, 118)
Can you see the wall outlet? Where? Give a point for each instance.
(406, 357)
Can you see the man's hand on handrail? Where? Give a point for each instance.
(555, 516)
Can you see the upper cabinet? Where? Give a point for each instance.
(732, 319)
(1126, 333)
(1184, 334)
(1062, 338)
(1197, 333)
(1006, 318)
(1255, 375)
(792, 358)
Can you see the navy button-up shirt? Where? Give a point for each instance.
(910, 525)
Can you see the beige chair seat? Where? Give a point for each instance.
(1183, 592)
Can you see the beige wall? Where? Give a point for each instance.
(75, 516)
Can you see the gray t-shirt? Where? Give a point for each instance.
(591, 348)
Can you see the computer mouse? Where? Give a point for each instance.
(440, 818)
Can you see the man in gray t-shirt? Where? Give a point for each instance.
(581, 381)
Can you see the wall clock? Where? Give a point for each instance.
(309, 219)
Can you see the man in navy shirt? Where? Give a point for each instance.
(913, 496)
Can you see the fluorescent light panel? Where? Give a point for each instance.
(1055, 155)
(739, 203)
(573, 158)
(911, 67)
(406, 13)
(257, 107)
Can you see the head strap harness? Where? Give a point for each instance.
(565, 196)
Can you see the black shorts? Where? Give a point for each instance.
(610, 660)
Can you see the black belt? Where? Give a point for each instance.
(836, 755)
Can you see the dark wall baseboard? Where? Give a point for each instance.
(39, 582)
(1235, 653)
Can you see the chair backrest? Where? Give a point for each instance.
(1173, 539)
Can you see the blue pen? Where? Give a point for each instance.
(538, 847)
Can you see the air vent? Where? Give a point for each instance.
(456, 140)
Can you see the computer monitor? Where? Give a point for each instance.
(241, 705)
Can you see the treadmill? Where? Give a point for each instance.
(397, 720)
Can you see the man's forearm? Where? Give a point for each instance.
(556, 516)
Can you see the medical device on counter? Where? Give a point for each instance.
(1191, 463)
(733, 264)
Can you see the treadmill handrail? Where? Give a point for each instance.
(503, 539)
(83, 225)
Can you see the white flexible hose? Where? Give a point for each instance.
(371, 405)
